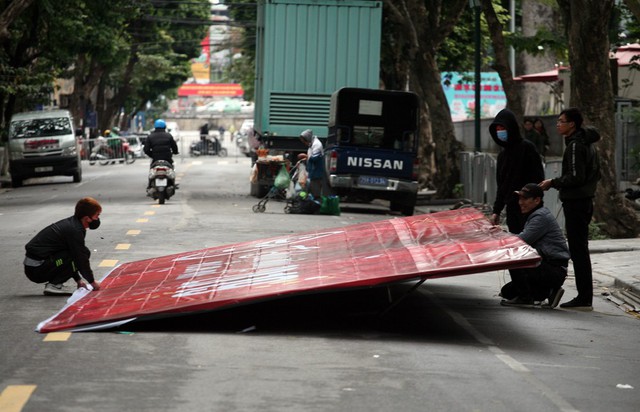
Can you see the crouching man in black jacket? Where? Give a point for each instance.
(58, 252)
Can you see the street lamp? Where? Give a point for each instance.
(476, 5)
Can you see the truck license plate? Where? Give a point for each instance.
(161, 182)
(372, 181)
(44, 169)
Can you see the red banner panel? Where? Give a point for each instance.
(211, 89)
(449, 243)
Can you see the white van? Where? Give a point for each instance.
(41, 144)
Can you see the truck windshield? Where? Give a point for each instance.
(378, 119)
(25, 129)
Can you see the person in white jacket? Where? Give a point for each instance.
(314, 159)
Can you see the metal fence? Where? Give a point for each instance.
(112, 147)
(478, 177)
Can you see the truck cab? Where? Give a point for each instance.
(372, 144)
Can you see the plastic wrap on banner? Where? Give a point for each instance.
(449, 243)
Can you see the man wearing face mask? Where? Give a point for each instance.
(518, 164)
(58, 252)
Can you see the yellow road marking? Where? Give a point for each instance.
(57, 337)
(107, 263)
(150, 213)
(133, 232)
(155, 205)
(14, 397)
(142, 220)
(123, 246)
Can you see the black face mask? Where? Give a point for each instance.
(94, 224)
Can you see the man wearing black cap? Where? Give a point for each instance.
(541, 231)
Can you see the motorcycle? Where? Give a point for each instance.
(211, 148)
(162, 179)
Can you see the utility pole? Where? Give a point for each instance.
(476, 5)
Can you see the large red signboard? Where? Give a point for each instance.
(435, 245)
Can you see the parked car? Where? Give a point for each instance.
(135, 146)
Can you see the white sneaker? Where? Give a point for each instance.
(51, 289)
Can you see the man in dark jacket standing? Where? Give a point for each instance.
(160, 144)
(518, 164)
(58, 253)
(577, 187)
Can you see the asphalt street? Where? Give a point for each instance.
(448, 346)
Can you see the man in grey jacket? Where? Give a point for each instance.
(541, 231)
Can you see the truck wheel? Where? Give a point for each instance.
(77, 176)
(408, 210)
(395, 207)
(16, 181)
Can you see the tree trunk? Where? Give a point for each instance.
(440, 149)
(10, 14)
(592, 92)
(112, 108)
(539, 98)
(501, 64)
(86, 77)
(425, 25)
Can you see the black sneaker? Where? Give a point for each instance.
(554, 297)
(577, 304)
(521, 302)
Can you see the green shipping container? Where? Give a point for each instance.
(306, 50)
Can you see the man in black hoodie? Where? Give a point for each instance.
(518, 164)
(58, 252)
(577, 187)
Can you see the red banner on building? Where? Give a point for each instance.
(211, 89)
(435, 245)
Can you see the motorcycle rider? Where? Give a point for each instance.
(160, 144)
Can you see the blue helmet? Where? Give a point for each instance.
(160, 124)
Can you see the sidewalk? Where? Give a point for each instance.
(618, 259)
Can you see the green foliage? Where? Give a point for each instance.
(635, 154)
(595, 232)
(544, 41)
(458, 190)
(242, 69)
(82, 38)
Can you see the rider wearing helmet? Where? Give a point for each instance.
(160, 145)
